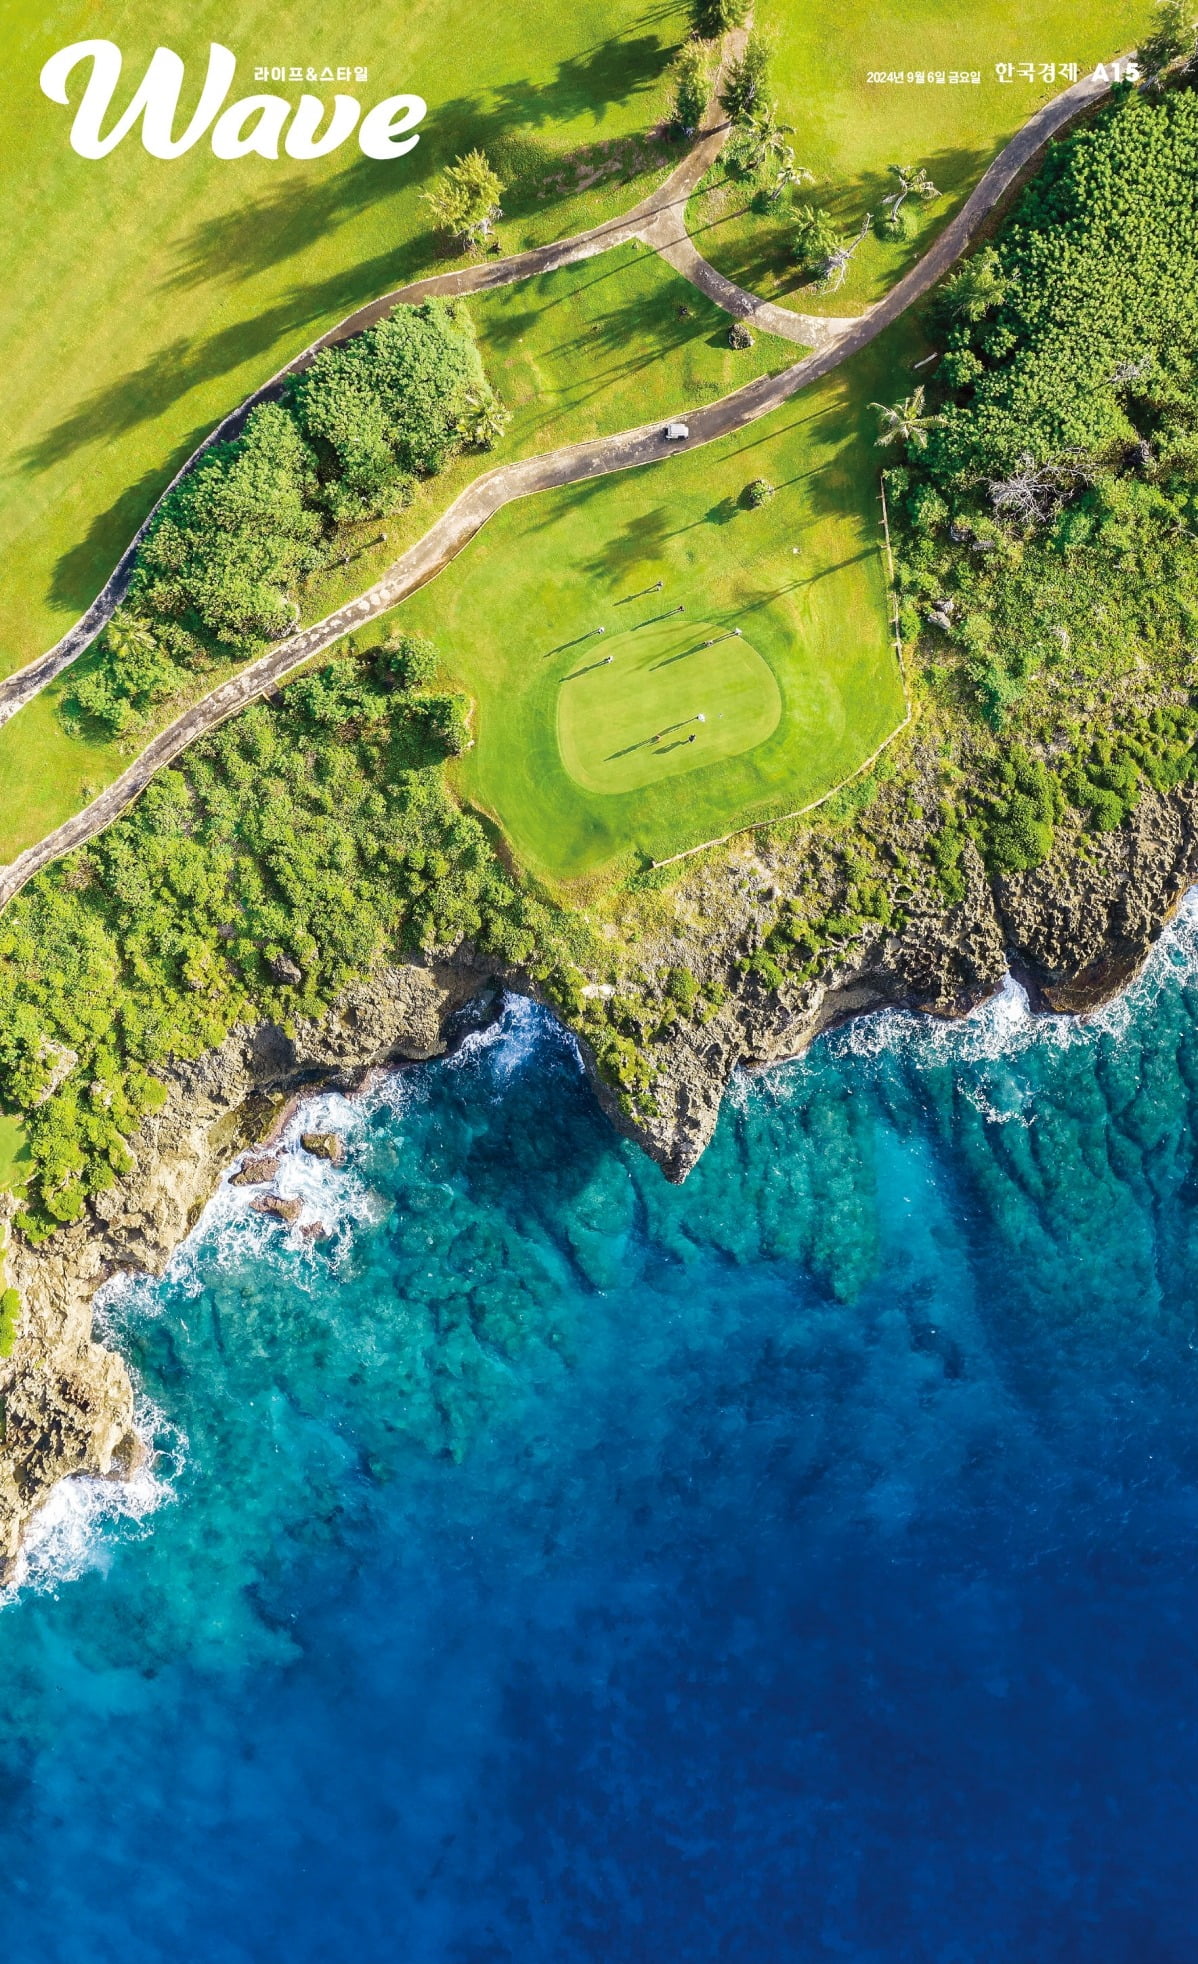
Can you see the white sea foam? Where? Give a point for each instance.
(520, 1031)
(1001, 1029)
(334, 1199)
(337, 1198)
(85, 1517)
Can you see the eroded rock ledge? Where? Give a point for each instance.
(1074, 931)
(68, 1402)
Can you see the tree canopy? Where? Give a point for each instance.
(465, 198)
(225, 556)
(390, 404)
(234, 537)
(1097, 269)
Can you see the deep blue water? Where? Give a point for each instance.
(555, 1565)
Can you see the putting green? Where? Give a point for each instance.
(629, 716)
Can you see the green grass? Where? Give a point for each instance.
(14, 1153)
(147, 297)
(597, 347)
(515, 618)
(632, 718)
(848, 130)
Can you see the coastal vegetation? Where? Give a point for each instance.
(289, 852)
(10, 1316)
(226, 553)
(1037, 435)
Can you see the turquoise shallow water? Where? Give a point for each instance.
(555, 1565)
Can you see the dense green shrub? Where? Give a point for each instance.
(127, 673)
(410, 659)
(391, 404)
(225, 556)
(235, 536)
(682, 987)
(946, 849)
(712, 17)
(746, 84)
(1083, 302)
(690, 77)
(318, 828)
(1048, 531)
(10, 1316)
(1016, 821)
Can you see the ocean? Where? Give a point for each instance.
(550, 1564)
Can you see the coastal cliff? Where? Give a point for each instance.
(68, 1402)
(1073, 931)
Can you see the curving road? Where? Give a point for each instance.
(569, 465)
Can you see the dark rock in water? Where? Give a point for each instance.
(255, 1172)
(323, 1145)
(278, 1208)
(285, 970)
(316, 1231)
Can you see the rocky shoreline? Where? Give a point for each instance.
(1074, 932)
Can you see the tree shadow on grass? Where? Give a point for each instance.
(590, 83)
(235, 246)
(761, 253)
(81, 572)
(628, 338)
(282, 223)
(642, 539)
(172, 372)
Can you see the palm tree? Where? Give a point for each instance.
(128, 638)
(766, 150)
(836, 266)
(905, 422)
(484, 419)
(913, 182)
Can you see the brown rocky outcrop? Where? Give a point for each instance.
(278, 1209)
(256, 1170)
(68, 1403)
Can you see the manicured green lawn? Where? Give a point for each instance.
(146, 297)
(847, 130)
(597, 347)
(668, 698)
(515, 617)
